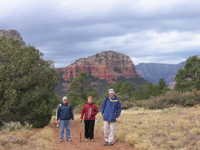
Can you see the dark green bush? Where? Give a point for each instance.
(26, 84)
(188, 78)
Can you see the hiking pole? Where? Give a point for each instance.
(81, 131)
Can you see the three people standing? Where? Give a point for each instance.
(110, 110)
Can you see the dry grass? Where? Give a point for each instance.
(170, 99)
(168, 129)
(14, 126)
(35, 139)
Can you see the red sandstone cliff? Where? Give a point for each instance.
(108, 65)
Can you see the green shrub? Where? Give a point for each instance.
(171, 98)
(148, 90)
(26, 84)
(188, 78)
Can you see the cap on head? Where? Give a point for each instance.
(65, 97)
(111, 91)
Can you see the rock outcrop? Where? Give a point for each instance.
(108, 65)
(11, 34)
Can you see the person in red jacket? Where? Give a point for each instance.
(88, 113)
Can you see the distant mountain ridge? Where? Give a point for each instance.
(153, 72)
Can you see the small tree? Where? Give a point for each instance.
(125, 89)
(80, 88)
(188, 78)
(162, 84)
(148, 90)
(26, 84)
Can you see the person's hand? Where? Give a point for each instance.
(58, 121)
(81, 120)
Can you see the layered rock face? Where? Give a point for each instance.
(108, 65)
(11, 34)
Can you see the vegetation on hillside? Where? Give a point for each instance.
(188, 78)
(124, 89)
(84, 85)
(80, 88)
(26, 84)
(170, 99)
(128, 92)
(148, 90)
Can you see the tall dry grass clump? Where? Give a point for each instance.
(14, 126)
(23, 139)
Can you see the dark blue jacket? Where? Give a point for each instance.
(65, 112)
(111, 109)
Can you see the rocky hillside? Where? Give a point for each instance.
(108, 65)
(152, 72)
(12, 34)
(103, 68)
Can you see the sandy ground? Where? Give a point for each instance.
(78, 144)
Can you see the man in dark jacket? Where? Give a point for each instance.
(64, 115)
(111, 110)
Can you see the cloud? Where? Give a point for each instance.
(156, 59)
(149, 43)
(147, 31)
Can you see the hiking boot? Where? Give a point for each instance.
(106, 144)
(92, 140)
(61, 140)
(87, 140)
(111, 144)
(69, 140)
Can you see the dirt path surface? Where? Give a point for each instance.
(77, 145)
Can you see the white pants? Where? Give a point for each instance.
(109, 131)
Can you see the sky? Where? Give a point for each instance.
(158, 31)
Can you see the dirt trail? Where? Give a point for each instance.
(77, 145)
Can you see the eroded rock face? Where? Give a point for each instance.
(108, 65)
(12, 34)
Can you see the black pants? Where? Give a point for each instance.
(89, 129)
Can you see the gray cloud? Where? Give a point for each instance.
(66, 30)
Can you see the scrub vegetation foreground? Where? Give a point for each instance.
(173, 128)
